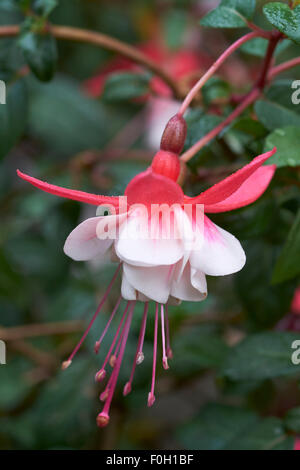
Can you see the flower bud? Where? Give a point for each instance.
(166, 164)
(174, 135)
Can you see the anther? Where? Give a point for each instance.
(127, 389)
(97, 347)
(102, 420)
(140, 357)
(165, 363)
(151, 399)
(112, 360)
(66, 364)
(100, 375)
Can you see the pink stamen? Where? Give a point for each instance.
(114, 340)
(163, 337)
(103, 417)
(103, 396)
(67, 363)
(140, 355)
(113, 357)
(127, 388)
(151, 396)
(169, 350)
(98, 343)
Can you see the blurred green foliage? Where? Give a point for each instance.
(231, 384)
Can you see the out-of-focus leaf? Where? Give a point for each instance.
(261, 356)
(249, 126)
(264, 303)
(274, 115)
(258, 47)
(67, 120)
(201, 347)
(292, 420)
(44, 7)
(125, 86)
(215, 89)
(280, 92)
(199, 124)
(175, 22)
(288, 263)
(14, 386)
(230, 14)
(287, 141)
(221, 427)
(13, 116)
(284, 19)
(63, 415)
(40, 53)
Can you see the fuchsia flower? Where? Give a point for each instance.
(164, 269)
(297, 444)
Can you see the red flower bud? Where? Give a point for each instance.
(174, 135)
(166, 164)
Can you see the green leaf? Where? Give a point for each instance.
(215, 89)
(221, 427)
(67, 120)
(198, 125)
(174, 26)
(125, 86)
(261, 356)
(201, 348)
(292, 420)
(288, 265)
(274, 115)
(230, 14)
(14, 386)
(264, 303)
(44, 7)
(13, 116)
(287, 141)
(258, 47)
(284, 19)
(40, 53)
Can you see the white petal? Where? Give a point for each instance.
(153, 282)
(220, 253)
(82, 244)
(127, 290)
(190, 286)
(135, 245)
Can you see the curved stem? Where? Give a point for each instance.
(246, 101)
(193, 92)
(250, 98)
(102, 40)
(283, 67)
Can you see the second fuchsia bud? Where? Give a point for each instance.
(174, 135)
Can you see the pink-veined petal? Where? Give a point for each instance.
(225, 188)
(73, 194)
(83, 244)
(247, 193)
(140, 243)
(219, 253)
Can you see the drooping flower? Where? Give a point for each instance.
(164, 244)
